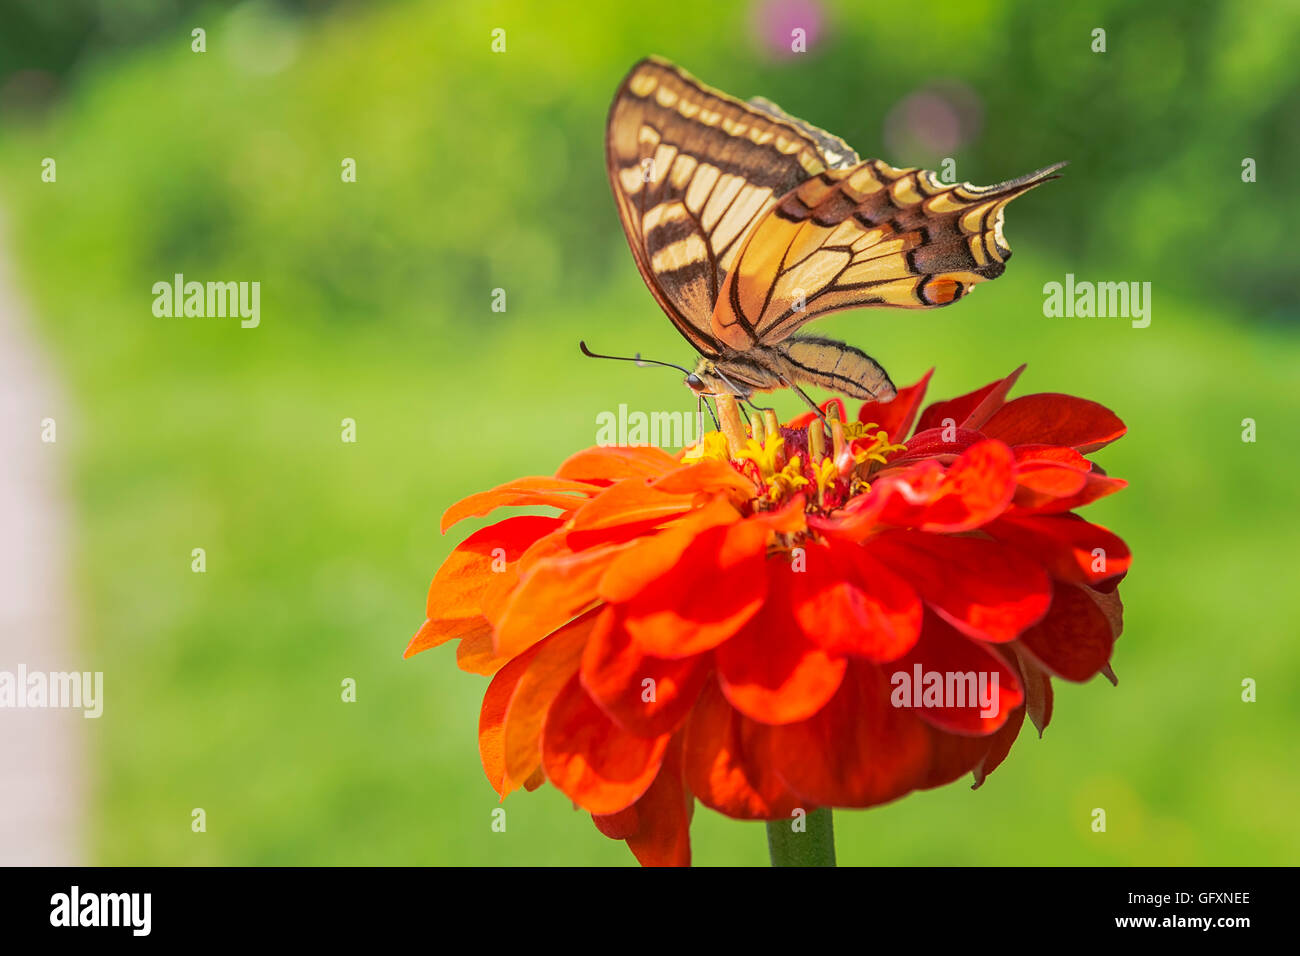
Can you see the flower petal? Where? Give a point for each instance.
(971, 410)
(492, 716)
(1057, 419)
(532, 492)
(983, 588)
(1074, 640)
(714, 588)
(455, 604)
(657, 827)
(614, 672)
(550, 593)
(593, 761)
(708, 475)
(769, 670)
(850, 603)
(624, 510)
(613, 463)
(1068, 547)
(896, 416)
(720, 767)
(550, 665)
(653, 557)
(857, 751)
(976, 690)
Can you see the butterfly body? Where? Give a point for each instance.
(747, 222)
(802, 360)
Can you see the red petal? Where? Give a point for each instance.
(455, 605)
(658, 826)
(850, 603)
(593, 761)
(1095, 486)
(896, 416)
(615, 463)
(614, 671)
(963, 708)
(1038, 689)
(940, 443)
(714, 588)
(1075, 639)
(857, 751)
(769, 670)
(971, 410)
(1055, 419)
(999, 746)
(534, 491)
(720, 769)
(983, 588)
(1066, 546)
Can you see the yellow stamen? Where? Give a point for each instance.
(756, 427)
(733, 426)
(816, 442)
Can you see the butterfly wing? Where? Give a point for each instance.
(692, 170)
(869, 235)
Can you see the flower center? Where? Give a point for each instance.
(781, 461)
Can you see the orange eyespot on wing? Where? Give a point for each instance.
(866, 235)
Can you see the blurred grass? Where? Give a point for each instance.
(477, 172)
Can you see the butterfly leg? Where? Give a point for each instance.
(701, 401)
(810, 402)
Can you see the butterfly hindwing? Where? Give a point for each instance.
(693, 170)
(866, 235)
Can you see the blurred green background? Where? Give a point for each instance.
(478, 171)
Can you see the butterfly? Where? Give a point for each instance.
(747, 222)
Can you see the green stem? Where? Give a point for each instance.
(813, 846)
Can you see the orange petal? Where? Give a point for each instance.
(593, 761)
(455, 606)
(645, 695)
(475, 654)
(548, 670)
(708, 475)
(652, 557)
(616, 463)
(491, 720)
(550, 594)
(533, 491)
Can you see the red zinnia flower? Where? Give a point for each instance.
(757, 623)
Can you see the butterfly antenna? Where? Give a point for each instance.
(623, 358)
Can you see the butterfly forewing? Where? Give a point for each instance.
(693, 170)
(866, 235)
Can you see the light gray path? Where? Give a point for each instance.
(43, 763)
